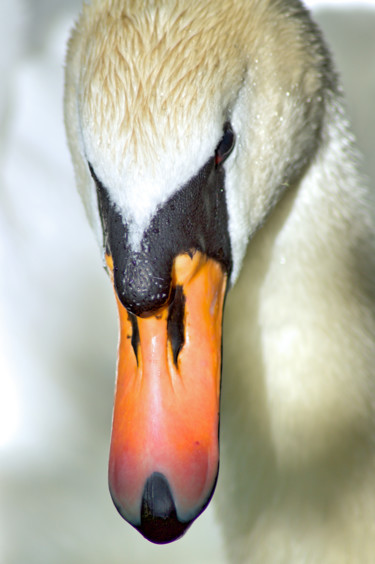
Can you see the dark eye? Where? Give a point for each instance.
(224, 148)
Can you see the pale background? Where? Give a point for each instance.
(58, 329)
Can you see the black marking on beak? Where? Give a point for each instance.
(195, 217)
(159, 521)
(176, 322)
(135, 334)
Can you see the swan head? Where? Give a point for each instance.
(185, 126)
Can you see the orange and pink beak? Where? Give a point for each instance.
(164, 452)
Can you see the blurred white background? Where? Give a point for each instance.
(58, 329)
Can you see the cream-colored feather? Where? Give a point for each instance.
(148, 87)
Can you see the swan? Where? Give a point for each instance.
(216, 165)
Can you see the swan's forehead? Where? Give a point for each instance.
(143, 75)
(155, 92)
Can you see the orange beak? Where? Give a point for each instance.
(164, 452)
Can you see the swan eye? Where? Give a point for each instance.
(225, 147)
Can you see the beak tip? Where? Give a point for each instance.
(159, 522)
(163, 531)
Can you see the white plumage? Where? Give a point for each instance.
(148, 89)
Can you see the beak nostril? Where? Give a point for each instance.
(135, 334)
(176, 321)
